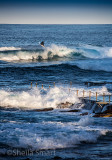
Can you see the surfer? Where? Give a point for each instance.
(42, 44)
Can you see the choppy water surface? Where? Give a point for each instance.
(72, 53)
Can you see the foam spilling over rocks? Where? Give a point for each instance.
(97, 110)
(42, 100)
(105, 112)
(37, 98)
(65, 105)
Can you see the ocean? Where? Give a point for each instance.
(73, 56)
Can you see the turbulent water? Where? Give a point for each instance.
(72, 53)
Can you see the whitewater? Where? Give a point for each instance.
(85, 51)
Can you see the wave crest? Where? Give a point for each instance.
(9, 49)
(37, 98)
(48, 53)
(53, 52)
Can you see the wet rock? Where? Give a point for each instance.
(73, 110)
(102, 115)
(108, 115)
(94, 107)
(43, 109)
(99, 115)
(108, 109)
(65, 105)
(107, 112)
(83, 114)
(98, 109)
(87, 103)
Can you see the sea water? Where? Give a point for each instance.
(72, 53)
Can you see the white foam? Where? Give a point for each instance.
(108, 52)
(32, 136)
(50, 134)
(85, 121)
(48, 53)
(34, 99)
(9, 48)
(37, 98)
(96, 52)
(60, 51)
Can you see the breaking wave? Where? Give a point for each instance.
(53, 52)
(39, 133)
(38, 98)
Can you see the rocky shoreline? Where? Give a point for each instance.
(85, 107)
(92, 107)
(104, 110)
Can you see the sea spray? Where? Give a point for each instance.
(85, 121)
(48, 53)
(54, 51)
(37, 98)
(40, 135)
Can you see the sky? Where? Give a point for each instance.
(56, 11)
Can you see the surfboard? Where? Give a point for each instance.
(42, 46)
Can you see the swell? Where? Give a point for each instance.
(52, 68)
(54, 52)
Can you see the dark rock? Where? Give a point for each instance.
(43, 109)
(108, 109)
(65, 105)
(83, 114)
(73, 110)
(106, 113)
(103, 115)
(99, 115)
